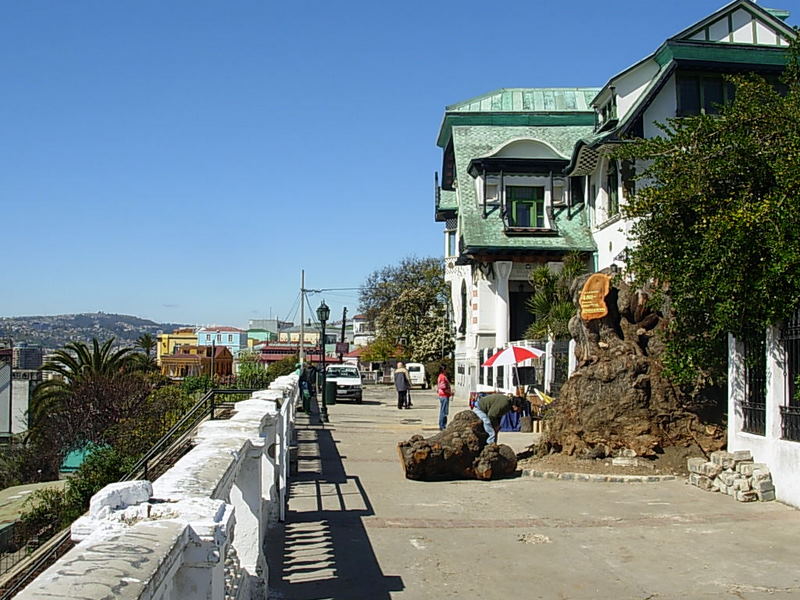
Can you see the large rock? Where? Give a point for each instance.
(619, 396)
(458, 452)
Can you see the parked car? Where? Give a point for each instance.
(348, 381)
(416, 375)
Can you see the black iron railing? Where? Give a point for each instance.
(790, 423)
(754, 405)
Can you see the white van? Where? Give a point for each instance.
(416, 375)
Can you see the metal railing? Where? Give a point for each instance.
(162, 455)
(790, 423)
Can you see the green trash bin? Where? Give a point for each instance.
(330, 392)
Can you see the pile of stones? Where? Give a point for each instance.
(734, 474)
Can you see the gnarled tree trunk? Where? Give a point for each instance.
(619, 396)
(458, 452)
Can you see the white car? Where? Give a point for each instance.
(348, 381)
(416, 375)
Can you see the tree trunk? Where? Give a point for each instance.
(619, 397)
(458, 452)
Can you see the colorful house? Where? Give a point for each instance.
(167, 342)
(232, 338)
(194, 361)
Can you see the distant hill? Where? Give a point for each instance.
(56, 330)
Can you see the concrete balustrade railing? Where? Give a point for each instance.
(199, 530)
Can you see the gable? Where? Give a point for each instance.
(740, 22)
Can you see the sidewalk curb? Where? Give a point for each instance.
(598, 478)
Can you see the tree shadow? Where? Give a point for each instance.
(324, 549)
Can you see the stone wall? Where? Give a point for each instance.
(199, 530)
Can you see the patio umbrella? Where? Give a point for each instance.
(511, 356)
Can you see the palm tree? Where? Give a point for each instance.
(92, 387)
(551, 302)
(147, 343)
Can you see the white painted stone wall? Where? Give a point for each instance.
(199, 530)
(781, 456)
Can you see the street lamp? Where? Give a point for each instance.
(323, 313)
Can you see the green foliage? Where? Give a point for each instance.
(407, 304)
(196, 383)
(51, 509)
(134, 435)
(716, 222)
(285, 366)
(147, 343)
(381, 350)
(252, 373)
(551, 302)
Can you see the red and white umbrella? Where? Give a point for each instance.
(511, 356)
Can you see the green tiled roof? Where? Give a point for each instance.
(529, 100)
(476, 141)
(447, 200)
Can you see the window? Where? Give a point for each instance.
(790, 411)
(612, 187)
(576, 190)
(462, 328)
(230, 337)
(702, 93)
(451, 243)
(525, 206)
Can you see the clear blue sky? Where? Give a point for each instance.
(184, 160)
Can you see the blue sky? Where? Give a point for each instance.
(184, 160)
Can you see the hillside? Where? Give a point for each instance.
(54, 331)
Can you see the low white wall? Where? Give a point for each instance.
(198, 531)
(781, 456)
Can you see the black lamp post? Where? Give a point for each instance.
(323, 313)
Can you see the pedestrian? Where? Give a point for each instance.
(491, 408)
(402, 384)
(445, 393)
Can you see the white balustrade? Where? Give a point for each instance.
(199, 530)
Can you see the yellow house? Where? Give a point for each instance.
(292, 335)
(167, 342)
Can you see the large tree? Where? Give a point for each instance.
(717, 221)
(95, 388)
(407, 306)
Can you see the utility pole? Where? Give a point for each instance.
(301, 354)
(344, 322)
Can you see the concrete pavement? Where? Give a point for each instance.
(356, 528)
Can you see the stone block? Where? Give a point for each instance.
(766, 496)
(727, 477)
(624, 461)
(704, 483)
(120, 495)
(762, 475)
(695, 465)
(723, 459)
(627, 453)
(764, 486)
(742, 484)
(742, 456)
(730, 490)
(749, 496)
(711, 470)
(747, 468)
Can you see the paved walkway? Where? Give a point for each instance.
(357, 529)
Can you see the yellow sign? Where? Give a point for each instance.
(592, 300)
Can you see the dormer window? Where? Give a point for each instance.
(525, 206)
(608, 112)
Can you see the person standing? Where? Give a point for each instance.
(444, 392)
(490, 409)
(402, 384)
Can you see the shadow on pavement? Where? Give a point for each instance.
(325, 551)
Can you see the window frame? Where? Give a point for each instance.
(537, 214)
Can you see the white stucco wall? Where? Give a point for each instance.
(630, 86)
(661, 108)
(781, 456)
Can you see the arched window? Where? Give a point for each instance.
(612, 187)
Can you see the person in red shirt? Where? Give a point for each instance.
(445, 393)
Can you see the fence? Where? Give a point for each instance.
(200, 529)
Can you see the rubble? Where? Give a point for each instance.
(734, 474)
